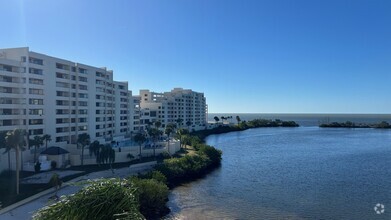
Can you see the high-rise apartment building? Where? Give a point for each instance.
(48, 95)
(183, 107)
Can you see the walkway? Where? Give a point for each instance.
(25, 208)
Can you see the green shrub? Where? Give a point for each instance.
(152, 197)
(99, 200)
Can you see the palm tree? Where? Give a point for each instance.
(154, 133)
(169, 129)
(222, 119)
(180, 133)
(82, 141)
(15, 140)
(106, 154)
(140, 139)
(47, 138)
(3, 144)
(36, 142)
(238, 119)
(94, 148)
(217, 119)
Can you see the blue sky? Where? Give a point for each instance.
(277, 56)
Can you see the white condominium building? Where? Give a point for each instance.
(48, 95)
(183, 107)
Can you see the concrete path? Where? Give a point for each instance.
(25, 208)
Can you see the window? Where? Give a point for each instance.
(83, 79)
(62, 85)
(35, 71)
(82, 87)
(35, 111)
(62, 66)
(36, 101)
(81, 70)
(62, 102)
(35, 121)
(35, 61)
(82, 103)
(62, 75)
(62, 94)
(36, 81)
(83, 95)
(36, 91)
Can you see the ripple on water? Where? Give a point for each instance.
(294, 173)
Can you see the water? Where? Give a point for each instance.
(292, 173)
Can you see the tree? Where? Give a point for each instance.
(15, 140)
(169, 129)
(47, 138)
(36, 142)
(158, 124)
(180, 133)
(238, 119)
(217, 119)
(106, 155)
(188, 123)
(154, 134)
(140, 139)
(222, 119)
(3, 144)
(82, 141)
(94, 148)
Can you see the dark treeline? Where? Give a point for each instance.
(349, 124)
(243, 125)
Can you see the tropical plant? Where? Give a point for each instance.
(217, 119)
(238, 119)
(106, 155)
(169, 129)
(82, 141)
(180, 133)
(15, 140)
(140, 139)
(158, 124)
(99, 200)
(3, 144)
(47, 138)
(152, 196)
(154, 134)
(94, 148)
(36, 142)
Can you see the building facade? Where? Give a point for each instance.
(183, 107)
(48, 95)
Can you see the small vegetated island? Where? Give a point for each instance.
(145, 196)
(349, 124)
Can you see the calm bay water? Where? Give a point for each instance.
(292, 173)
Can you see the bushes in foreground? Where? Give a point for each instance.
(106, 199)
(152, 196)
